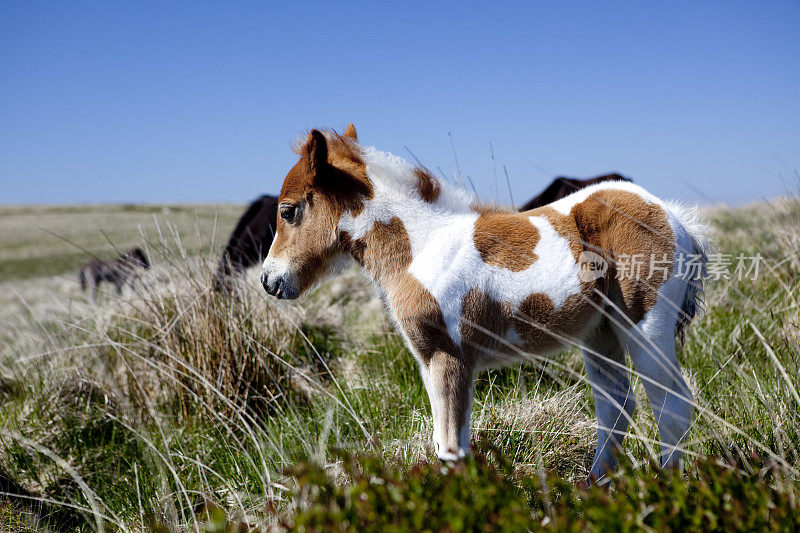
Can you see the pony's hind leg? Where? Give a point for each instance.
(614, 402)
(94, 288)
(651, 345)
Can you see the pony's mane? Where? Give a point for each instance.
(390, 172)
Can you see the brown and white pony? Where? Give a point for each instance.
(117, 271)
(472, 287)
(252, 236)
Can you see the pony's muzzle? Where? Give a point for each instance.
(279, 285)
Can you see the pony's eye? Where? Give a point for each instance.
(288, 212)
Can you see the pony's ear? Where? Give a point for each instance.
(350, 131)
(316, 151)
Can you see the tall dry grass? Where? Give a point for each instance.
(174, 400)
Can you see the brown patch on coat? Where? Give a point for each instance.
(541, 327)
(627, 231)
(484, 324)
(427, 185)
(506, 240)
(419, 316)
(630, 231)
(384, 251)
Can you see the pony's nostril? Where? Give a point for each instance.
(272, 286)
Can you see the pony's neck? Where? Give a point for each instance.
(398, 221)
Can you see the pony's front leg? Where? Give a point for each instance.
(449, 382)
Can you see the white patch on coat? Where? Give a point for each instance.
(452, 266)
(396, 195)
(565, 205)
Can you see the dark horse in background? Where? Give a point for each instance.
(249, 241)
(116, 271)
(562, 187)
(251, 238)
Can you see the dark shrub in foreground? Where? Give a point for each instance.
(476, 496)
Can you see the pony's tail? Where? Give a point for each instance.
(696, 230)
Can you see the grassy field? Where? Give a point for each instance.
(176, 408)
(37, 241)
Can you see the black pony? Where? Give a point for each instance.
(249, 242)
(116, 271)
(563, 186)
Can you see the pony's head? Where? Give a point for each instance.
(329, 180)
(136, 257)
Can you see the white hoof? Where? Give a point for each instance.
(451, 456)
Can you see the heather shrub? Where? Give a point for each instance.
(368, 494)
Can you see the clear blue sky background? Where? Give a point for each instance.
(174, 102)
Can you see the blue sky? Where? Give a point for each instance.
(197, 102)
